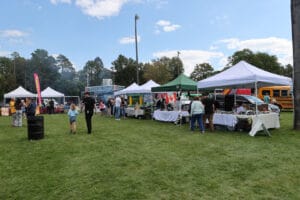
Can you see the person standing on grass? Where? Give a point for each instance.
(12, 110)
(51, 104)
(102, 107)
(123, 107)
(18, 107)
(89, 106)
(197, 110)
(209, 107)
(72, 113)
(118, 102)
(30, 108)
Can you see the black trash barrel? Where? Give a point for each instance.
(35, 127)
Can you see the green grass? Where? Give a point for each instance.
(144, 159)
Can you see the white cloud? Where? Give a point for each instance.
(5, 53)
(219, 19)
(166, 26)
(280, 47)
(129, 40)
(55, 2)
(163, 23)
(12, 33)
(101, 8)
(191, 57)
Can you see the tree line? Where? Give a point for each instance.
(60, 74)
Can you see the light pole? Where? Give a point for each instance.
(136, 17)
(178, 53)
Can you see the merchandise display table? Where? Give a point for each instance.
(169, 116)
(132, 112)
(259, 122)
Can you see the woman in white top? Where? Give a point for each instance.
(197, 110)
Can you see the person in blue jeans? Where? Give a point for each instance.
(72, 113)
(118, 102)
(197, 110)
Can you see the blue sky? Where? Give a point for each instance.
(201, 30)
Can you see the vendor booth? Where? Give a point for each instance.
(245, 75)
(49, 94)
(171, 91)
(139, 98)
(20, 92)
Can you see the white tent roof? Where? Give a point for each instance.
(243, 75)
(127, 90)
(20, 92)
(146, 87)
(49, 92)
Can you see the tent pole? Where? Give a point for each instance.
(256, 96)
(234, 93)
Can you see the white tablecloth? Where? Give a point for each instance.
(270, 120)
(169, 116)
(225, 119)
(130, 111)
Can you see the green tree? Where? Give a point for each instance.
(66, 67)
(125, 71)
(45, 66)
(288, 70)
(157, 71)
(202, 71)
(7, 77)
(175, 66)
(19, 68)
(261, 60)
(93, 70)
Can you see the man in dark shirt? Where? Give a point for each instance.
(209, 106)
(51, 104)
(89, 106)
(30, 108)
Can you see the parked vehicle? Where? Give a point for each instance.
(228, 102)
(280, 96)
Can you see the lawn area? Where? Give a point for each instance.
(144, 159)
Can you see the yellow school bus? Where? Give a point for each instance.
(279, 95)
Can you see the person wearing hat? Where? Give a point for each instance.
(89, 106)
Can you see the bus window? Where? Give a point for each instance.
(284, 93)
(276, 93)
(264, 92)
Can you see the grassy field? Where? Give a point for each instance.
(144, 159)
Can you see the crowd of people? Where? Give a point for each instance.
(20, 108)
(201, 110)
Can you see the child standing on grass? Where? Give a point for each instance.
(72, 113)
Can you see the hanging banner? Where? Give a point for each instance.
(38, 89)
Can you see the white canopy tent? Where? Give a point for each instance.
(145, 88)
(243, 75)
(20, 92)
(51, 93)
(128, 90)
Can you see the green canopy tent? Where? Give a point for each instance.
(181, 83)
